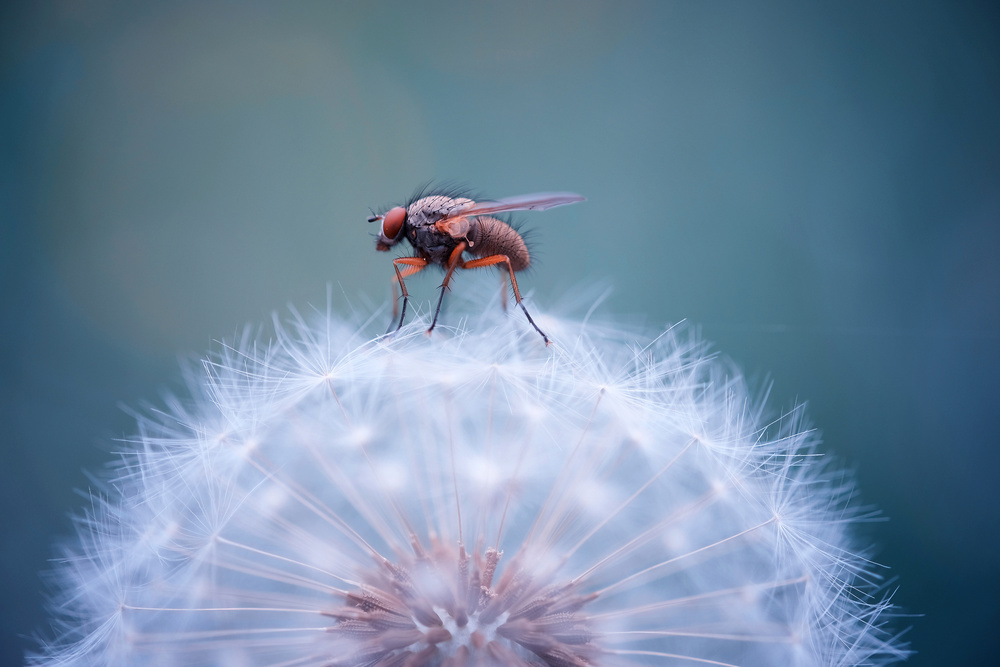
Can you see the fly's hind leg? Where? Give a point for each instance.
(413, 265)
(504, 259)
(503, 292)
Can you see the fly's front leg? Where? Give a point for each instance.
(397, 280)
(413, 264)
(504, 259)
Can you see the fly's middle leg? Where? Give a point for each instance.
(454, 261)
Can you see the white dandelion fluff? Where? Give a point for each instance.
(469, 498)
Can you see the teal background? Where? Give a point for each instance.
(817, 186)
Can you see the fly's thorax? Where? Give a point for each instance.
(432, 244)
(428, 210)
(424, 235)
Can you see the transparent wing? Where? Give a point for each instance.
(538, 201)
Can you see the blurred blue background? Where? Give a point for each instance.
(816, 186)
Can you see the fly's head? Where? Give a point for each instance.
(391, 231)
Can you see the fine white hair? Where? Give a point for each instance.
(330, 497)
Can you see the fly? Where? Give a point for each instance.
(442, 229)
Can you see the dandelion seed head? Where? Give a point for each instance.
(471, 497)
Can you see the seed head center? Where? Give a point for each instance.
(444, 604)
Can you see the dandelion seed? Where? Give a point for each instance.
(470, 498)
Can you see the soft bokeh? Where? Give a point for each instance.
(817, 187)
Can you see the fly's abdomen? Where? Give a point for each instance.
(495, 237)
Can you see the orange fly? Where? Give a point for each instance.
(444, 227)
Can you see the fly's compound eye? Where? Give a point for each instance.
(392, 223)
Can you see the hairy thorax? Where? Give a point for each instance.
(485, 235)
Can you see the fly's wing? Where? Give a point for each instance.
(539, 201)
